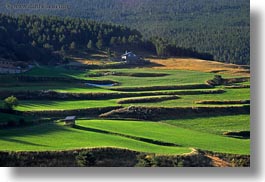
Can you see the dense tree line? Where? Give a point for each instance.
(218, 27)
(41, 38)
(55, 33)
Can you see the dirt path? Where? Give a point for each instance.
(217, 162)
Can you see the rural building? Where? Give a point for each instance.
(129, 57)
(70, 120)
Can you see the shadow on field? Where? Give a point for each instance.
(33, 130)
(22, 142)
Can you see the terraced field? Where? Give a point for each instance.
(168, 133)
(55, 137)
(63, 105)
(173, 85)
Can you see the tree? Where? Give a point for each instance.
(90, 45)
(10, 103)
(113, 41)
(85, 159)
(34, 43)
(124, 40)
(99, 44)
(109, 53)
(48, 46)
(72, 46)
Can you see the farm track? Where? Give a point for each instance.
(217, 162)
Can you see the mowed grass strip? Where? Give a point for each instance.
(168, 133)
(214, 124)
(52, 137)
(30, 105)
(58, 88)
(190, 100)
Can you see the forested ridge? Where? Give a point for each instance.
(218, 27)
(46, 39)
(24, 36)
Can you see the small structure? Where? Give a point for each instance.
(129, 57)
(69, 120)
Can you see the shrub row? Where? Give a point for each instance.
(114, 157)
(148, 99)
(169, 87)
(218, 80)
(90, 112)
(194, 159)
(158, 113)
(237, 86)
(53, 95)
(225, 102)
(98, 157)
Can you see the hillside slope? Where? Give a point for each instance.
(218, 27)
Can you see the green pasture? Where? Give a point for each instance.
(46, 71)
(40, 105)
(59, 87)
(174, 78)
(52, 137)
(183, 101)
(54, 86)
(214, 124)
(172, 134)
(189, 100)
(202, 133)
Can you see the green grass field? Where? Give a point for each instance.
(56, 137)
(59, 87)
(204, 133)
(215, 125)
(183, 101)
(189, 100)
(63, 105)
(54, 72)
(174, 77)
(168, 133)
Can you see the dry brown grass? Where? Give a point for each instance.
(200, 65)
